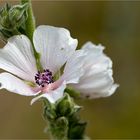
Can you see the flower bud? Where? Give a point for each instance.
(4, 17)
(49, 110)
(59, 128)
(49, 113)
(12, 19)
(76, 131)
(62, 122)
(65, 106)
(18, 14)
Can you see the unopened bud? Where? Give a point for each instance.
(49, 110)
(18, 14)
(65, 106)
(12, 18)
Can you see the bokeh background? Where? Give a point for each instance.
(116, 25)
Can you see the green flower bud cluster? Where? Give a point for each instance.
(12, 20)
(63, 120)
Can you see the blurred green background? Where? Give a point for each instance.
(116, 25)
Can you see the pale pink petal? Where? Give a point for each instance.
(17, 57)
(14, 84)
(74, 68)
(53, 95)
(97, 80)
(55, 46)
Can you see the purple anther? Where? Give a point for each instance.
(44, 77)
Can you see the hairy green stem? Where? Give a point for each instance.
(30, 22)
(30, 27)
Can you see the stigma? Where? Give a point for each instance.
(44, 78)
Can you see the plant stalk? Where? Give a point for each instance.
(30, 27)
(30, 22)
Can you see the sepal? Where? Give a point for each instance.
(73, 93)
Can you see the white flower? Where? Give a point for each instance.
(97, 80)
(88, 69)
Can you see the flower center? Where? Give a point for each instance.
(43, 78)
